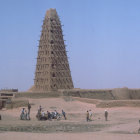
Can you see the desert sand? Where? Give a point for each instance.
(122, 124)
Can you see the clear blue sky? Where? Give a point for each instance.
(102, 38)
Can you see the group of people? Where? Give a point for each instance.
(41, 115)
(89, 115)
(25, 114)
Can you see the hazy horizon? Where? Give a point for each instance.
(102, 38)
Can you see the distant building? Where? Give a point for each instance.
(52, 68)
(5, 96)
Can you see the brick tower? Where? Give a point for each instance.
(52, 68)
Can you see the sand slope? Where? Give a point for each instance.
(122, 124)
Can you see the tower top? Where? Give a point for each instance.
(51, 13)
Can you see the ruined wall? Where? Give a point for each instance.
(102, 94)
(92, 94)
(134, 93)
(105, 94)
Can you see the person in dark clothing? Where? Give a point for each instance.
(0, 117)
(29, 107)
(64, 114)
(106, 115)
(87, 117)
(49, 115)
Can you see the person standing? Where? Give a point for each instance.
(87, 116)
(40, 108)
(90, 115)
(106, 115)
(22, 115)
(64, 114)
(29, 107)
(26, 115)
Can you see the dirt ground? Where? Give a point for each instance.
(123, 122)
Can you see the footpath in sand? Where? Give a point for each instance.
(122, 122)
